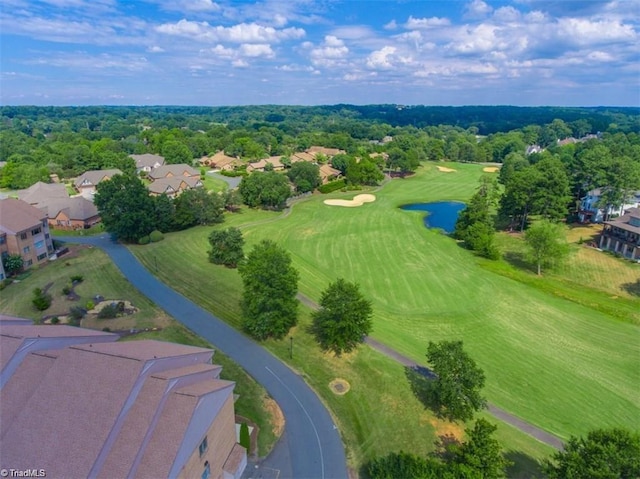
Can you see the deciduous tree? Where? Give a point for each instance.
(546, 243)
(455, 392)
(12, 264)
(226, 247)
(481, 453)
(265, 190)
(269, 304)
(126, 209)
(344, 317)
(305, 176)
(602, 454)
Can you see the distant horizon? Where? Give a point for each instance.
(529, 53)
(406, 105)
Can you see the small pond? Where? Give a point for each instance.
(441, 214)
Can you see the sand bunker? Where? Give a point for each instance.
(339, 386)
(358, 200)
(444, 169)
(490, 169)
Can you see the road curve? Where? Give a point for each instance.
(314, 443)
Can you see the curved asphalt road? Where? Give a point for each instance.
(315, 446)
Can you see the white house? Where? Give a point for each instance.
(592, 211)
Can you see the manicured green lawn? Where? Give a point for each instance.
(214, 184)
(563, 366)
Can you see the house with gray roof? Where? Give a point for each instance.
(147, 162)
(174, 185)
(71, 213)
(86, 183)
(78, 404)
(168, 171)
(39, 193)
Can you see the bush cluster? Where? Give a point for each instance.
(41, 300)
(233, 174)
(111, 311)
(332, 186)
(144, 240)
(156, 236)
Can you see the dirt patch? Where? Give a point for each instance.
(277, 418)
(447, 429)
(357, 200)
(444, 169)
(339, 386)
(490, 169)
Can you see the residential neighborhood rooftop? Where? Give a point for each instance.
(17, 215)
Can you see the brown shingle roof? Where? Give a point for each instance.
(113, 405)
(42, 192)
(174, 184)
(623, 222)
(17, 216)
(325, 151)
(76, 208)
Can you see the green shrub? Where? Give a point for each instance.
(233, 174)
(106, 329)
(66, 290)
(332, 186)
(55, 320)
(245, 439)
(110, 311)
(90, 305)
(77, 278)
(41, 300)
(144, 240)
(76, 313)
(156, 236)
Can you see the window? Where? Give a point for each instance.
(36, 231)
(46, 235)
(26, 250)
(203, 446)
(39, 244)
(28, 263)
(42, 256)
(3, 239)
(23, 236)
(207, 470)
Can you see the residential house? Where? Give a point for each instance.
(75, 403)
(147, 162)
(591, 210)
(622, 235)
(328, 173)
(531, 149)
(174, 185)
(303, 156)
(86, 183)
(274, 161)
(39, 193)
(221, 161)
(172, 171)
(71, 213)
(24, 230)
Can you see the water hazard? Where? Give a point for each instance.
(441, 214)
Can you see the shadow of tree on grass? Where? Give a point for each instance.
(421, 383)
(523, 466)
(632, 288)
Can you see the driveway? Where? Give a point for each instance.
(232, 181)
(315, 449)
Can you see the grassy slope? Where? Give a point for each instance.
(557, 364)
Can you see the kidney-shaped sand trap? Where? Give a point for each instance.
(357, 200)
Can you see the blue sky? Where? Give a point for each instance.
(312, 52)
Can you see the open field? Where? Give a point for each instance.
(560, 365)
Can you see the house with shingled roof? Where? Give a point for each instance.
(71, 213)
(274, 161)
(144, 409)
(622, 235)
(169, 171)
(39, 193)
(24, 231)
(86, 183)
(174, 186)
(147, 162)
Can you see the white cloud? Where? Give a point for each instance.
(239, 63)
(392, 25)
(240, 33)
(84, 62)
(330, 53)
(381, 58)
(477, 9)
(507, 14)
(583, 31)
(256, 50)
(155, 49)
(418, 23)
